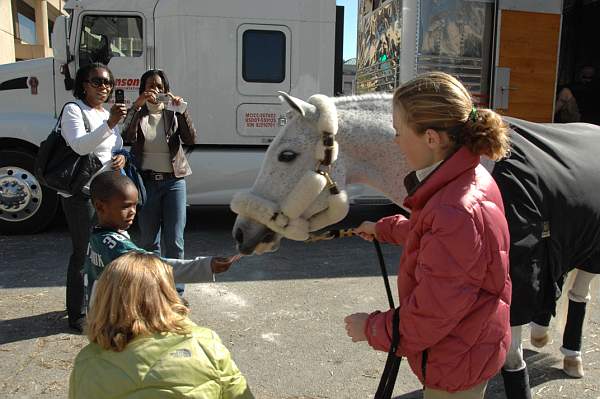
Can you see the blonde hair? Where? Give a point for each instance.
(134, 296)
(436, 100)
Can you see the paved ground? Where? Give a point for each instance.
(280, 315)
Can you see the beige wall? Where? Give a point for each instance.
(13, 48)
(7, 43)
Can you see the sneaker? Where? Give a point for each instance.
(77, 324)
(184, 301)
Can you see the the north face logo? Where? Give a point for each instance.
(181, 353)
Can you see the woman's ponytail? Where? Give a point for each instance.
(485, 133)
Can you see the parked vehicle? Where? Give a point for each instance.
(227, 58)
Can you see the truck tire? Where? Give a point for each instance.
(25, 206)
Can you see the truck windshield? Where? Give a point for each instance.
(105, 37)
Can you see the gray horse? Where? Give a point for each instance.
(350, 140)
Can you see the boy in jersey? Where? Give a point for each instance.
(115, 198)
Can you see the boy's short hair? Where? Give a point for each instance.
(107, 184)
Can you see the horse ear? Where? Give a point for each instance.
(302, 107)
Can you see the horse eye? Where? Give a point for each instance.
(287, 156)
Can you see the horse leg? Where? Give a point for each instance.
(514, 371)
(539, 330)
(571, 348)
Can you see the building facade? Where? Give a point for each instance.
(26, 27)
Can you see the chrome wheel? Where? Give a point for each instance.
(20, 194)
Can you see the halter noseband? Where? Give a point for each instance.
(294, 218)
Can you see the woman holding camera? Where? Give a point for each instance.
(156, 126)
(88, 128)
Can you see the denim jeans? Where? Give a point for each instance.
(164, 212)
(80, 216)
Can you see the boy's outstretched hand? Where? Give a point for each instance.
(221, 264)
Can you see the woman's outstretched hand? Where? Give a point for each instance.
(366, 231)
(355, 326)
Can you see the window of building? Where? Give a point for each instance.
(25, 23)
(263, 56)
(50, 29)
(104, 37)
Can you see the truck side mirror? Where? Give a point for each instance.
(59, 40)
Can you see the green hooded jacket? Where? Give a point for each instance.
(196, 365)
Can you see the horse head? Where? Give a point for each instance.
(300, 187)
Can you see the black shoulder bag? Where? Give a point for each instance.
(60, 168)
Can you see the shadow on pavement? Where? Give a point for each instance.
(542, 368)
(40, 260)
(41, 325)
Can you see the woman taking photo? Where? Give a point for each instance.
(143, 345)
(93, 87)
(156, 126)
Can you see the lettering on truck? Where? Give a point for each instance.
(261, 119)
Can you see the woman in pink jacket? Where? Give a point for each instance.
(453, 282)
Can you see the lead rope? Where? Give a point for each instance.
(392, 364)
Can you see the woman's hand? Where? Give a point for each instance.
(355, 326)
(220, 264)
(117, 112)
(148, 95)
(118, 161)
(366, 231)
(176, 100)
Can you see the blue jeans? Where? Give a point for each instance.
(164, 212)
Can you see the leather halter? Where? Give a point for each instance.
(286, 218)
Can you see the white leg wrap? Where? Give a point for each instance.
(580, 291)
(514, 358)
(538, 330)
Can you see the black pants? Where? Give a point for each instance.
(79, 213)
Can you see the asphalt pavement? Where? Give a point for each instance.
(280, 314)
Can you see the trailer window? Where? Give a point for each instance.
(263, 56)
(105, 37)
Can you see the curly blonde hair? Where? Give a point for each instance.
(436, 100)
(135, 296)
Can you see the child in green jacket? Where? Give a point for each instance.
(115, 197)
(142, 344)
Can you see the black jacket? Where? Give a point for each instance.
(550, 185)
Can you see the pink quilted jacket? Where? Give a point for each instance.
(453, 281)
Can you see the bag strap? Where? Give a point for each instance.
(86, 122)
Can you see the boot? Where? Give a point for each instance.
(516, 384)
(573, 365)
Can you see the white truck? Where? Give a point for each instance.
(227, 58)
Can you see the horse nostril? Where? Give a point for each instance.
(239, 236)
(268, 237)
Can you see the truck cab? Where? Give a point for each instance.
(227, 59)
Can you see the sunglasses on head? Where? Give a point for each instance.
(97, 82)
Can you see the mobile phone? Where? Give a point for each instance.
(119, 96)
(163, 98)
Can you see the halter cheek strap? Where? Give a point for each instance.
(287, 218)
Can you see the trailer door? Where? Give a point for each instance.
(526, 60)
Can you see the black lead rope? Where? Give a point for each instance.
(392, 364)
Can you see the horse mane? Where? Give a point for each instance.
(370, 101)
